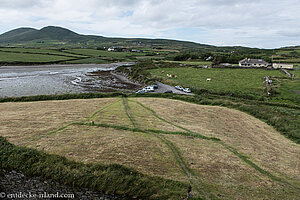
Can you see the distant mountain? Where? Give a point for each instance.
(59, 34)
(22, 35)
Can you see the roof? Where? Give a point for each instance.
(253, 61)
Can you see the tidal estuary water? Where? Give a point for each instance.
(59, 79)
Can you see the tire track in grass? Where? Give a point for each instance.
(164, 120)
(128, 112)
(231, 149)
(70, 124)
(194, 181)
(101, 109)
(177, 155)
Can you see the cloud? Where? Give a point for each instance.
(262, 23)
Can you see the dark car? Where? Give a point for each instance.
(155, 86)
(168, 91)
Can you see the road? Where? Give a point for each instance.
(163, 87)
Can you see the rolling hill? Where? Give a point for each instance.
(59, 34)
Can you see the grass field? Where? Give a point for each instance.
(23, 57)
(40, 51)
(241, 81)
(69, 56)
(106, 55)
(222, 153)
(207, 63)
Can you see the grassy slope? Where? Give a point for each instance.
(112, 179)
(145, 120)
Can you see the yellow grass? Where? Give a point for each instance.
(218, 170)
(250, 136)
(145, 120)
(114, 115)
(140, 151)
(223, 172)
(19, 121)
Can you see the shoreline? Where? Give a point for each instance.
(117, 64)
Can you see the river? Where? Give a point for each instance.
(60, 79)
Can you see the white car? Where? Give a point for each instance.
(149, 88)
(141, 91)
(187, 90)
(178, 87)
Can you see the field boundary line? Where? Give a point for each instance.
(194, 181)
(101, 109)
(72, 123)
(158, 117)
(228, 147)
(38, 53)
(128, 113)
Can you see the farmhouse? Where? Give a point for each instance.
(282, 66)
(248, 62)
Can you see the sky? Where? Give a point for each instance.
(252, 23)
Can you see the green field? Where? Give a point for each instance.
(207, 63)
(296, 72)
(40, 51)
(102, 53)
(243, 81)
(70, 56)
(6, 57)
(287, 90)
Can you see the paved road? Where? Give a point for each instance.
(163, 87)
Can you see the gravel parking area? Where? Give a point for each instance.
(163, 87)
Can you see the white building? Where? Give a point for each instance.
(248, 62)
(282, 66)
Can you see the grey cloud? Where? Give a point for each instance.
(246, 21)
(289, 33)
(19, 3)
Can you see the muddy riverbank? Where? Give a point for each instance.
(61, 79)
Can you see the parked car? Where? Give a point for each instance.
(141, 91)
(187, 90)
(178, 87)
(155, 86)
(149, 89)
(168, 91)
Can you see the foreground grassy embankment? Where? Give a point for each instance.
(111, 179)
(212, 148)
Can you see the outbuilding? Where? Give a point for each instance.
(282, 66)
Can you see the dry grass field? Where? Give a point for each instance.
(160, 137)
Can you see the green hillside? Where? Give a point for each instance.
(50, 34)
